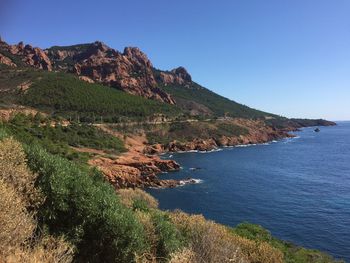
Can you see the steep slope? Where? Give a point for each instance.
(201, 101)
(130, 71)
(65, 95)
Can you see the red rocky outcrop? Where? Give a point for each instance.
(178, 76)
(130, 71)
(31, 56)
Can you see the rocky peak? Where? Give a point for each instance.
(20, 45)
(135, 55)
(130, 71)
(29, 55)
(178, 76)
(182, 73)
(99, 49)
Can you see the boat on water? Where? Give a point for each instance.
(317, 130)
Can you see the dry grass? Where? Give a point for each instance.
(14, 172)
(16, 224)
(184, 256)
(211, 242)
(48, 250)
(18, 241)
(150, 230)
(129, 196)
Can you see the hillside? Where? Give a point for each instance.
(63, 94)
(130, 71)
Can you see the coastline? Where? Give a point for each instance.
(141, 166)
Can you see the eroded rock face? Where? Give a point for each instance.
(31, 56)
(7, 61)
(178, 76)
(130, 71)
(140, 171)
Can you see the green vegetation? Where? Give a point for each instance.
(62, 94)
(76, 48)
(15, 59)
(20, 238)
(188, 131)
(291, 252)
(69, 61)
(60, 139)
(219, 105)
(183, 131)
(285, 123)
(70, 97)
(85, 209)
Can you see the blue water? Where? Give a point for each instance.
(297, 188)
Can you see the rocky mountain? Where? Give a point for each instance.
(177, 76)
(17, 55)
(130, 71)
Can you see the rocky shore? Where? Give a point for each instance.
(257, 133)
(142, 166)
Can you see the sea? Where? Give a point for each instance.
(297, 188)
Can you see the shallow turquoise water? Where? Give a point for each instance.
(297, 188)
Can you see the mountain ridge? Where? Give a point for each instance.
(130, 71)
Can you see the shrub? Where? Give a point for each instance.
(209, 241)
(212, 242)
(129, 196)
(16, 224)
(163, 239)
(20, 240)
(151, 235)
(61, 139)
(291, 252)
(85, 209)
(48, 250)
(184, 256)
(253, 232)
(170, 239)
(14, 172)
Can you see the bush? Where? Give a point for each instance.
(86, 210)
(60, 139)
(15, 173)
(170, 239)
(163, 239)
(129, 196)
(20, 240)
(184, 256)
(291, 252)
(211, 242)
(48, 250)
(16, 224)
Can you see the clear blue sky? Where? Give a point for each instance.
(287, 57)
